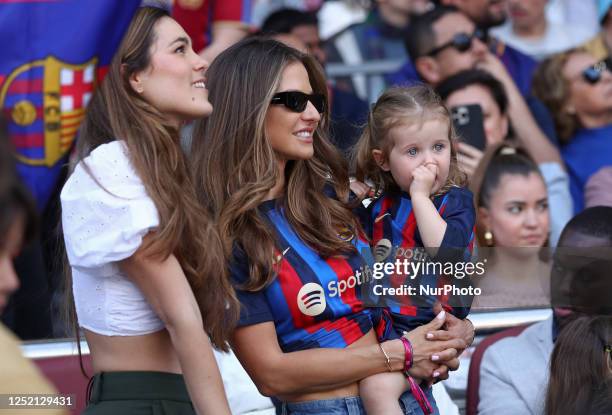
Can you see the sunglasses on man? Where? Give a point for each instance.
(462, 42)
(297, 101)
(593, 73)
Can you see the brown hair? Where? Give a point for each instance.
(551, 87)
(401, 106)
(497, 161)
(236, 167)
(117, 112)
(579, 366)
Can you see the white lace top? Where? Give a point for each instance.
(102, 226)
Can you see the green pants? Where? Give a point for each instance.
(139, 393)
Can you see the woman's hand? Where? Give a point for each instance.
(468, 158)
(433, 358)
(453, 328)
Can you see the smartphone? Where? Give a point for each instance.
(469, 125)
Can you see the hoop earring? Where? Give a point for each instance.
(488, 237)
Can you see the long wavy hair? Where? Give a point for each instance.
(236, 167)
(401, 106)
(117, 112)
(551, 87)
(581, 367)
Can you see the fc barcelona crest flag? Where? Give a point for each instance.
(54, 53)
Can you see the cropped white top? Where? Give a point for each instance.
(103, 225)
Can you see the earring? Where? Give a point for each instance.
(488, 237)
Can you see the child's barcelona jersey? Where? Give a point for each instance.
(391, 219)
(313, 301)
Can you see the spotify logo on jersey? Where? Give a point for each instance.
(382, 250)
(311, 299)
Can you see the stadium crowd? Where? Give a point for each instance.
(240, 153)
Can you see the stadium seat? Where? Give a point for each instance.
(472, 397)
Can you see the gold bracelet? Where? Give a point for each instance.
(386, 357)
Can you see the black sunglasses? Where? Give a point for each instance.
(296, 101)
(593, 73)
(461, 41)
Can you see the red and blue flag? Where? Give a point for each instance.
(54, 53)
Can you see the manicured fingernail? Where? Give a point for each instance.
(435, 357)
(436, 374)
(430, 335)
(441, 315)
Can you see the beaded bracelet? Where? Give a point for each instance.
(416, 390)
(409, 356)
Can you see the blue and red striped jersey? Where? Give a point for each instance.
(313, 301)
(391, 218)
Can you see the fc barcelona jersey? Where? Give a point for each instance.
(392, 218)
(313, 301)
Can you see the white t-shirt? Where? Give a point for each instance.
(103, 225)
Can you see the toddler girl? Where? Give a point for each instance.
(406, 153)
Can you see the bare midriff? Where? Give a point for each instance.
(148, 352)
(348, 390)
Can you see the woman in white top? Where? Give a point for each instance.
(147, 270)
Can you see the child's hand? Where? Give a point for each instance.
(423, 178)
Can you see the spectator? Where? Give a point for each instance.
(530, 31)
(510, 195)
(213, 25)
(479, 87)
(580, 284)
(380, 37)
(249, 163)
(148, 306)
(444, 41)
(487, 14)
(578, 91)
(601, 45)
(581, 367)
(348, 112)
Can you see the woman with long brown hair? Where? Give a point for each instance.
(146, 262)
(279, 192)
(581, 368)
